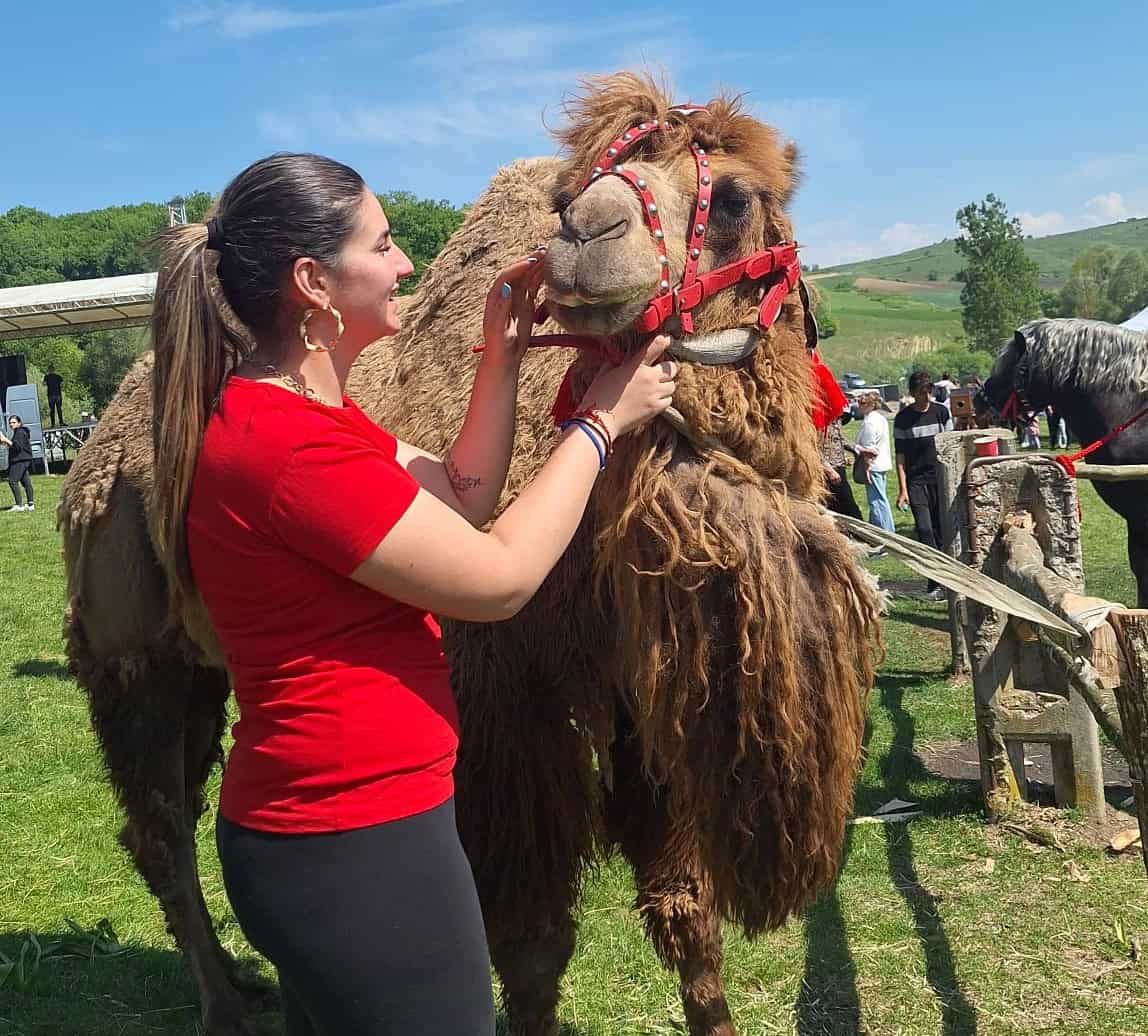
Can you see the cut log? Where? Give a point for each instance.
(1132, 698)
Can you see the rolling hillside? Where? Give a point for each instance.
(1054, 255)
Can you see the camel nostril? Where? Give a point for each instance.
(577, 228)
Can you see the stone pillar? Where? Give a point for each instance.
(954, 451)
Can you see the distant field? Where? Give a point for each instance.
(1054, 255)
(876, 328)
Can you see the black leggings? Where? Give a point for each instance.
(18, 476)
(375, 931)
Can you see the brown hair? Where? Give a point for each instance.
(219, 296)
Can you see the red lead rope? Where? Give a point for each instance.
(1069, 462)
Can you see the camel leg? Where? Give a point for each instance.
(159, 719)
(674, 898)
(527, 818)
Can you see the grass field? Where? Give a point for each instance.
(875, 329)
(939, 926)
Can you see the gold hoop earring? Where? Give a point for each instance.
(312, 346)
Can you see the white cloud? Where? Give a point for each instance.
(1045, 223)
(833, 243)
(245, 20)
(1110, 207)
(901, 237)
(281, 129)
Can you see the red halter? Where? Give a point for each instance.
(779, 263)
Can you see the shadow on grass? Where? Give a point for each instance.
(135, 990)
(501, 1029)
(41, 667)
(898, 770)
(829, 1001)
(940, 623)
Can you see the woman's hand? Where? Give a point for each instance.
(634, 392)
(510, 303)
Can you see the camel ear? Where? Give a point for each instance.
(792, 167)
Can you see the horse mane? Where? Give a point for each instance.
(1086, 354)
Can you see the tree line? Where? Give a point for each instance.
(39, 248)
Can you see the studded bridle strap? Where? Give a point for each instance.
(777, 262)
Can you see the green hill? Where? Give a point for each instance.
(939, 263)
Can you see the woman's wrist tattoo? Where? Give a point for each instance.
(459, 482)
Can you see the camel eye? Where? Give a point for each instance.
(731, 200)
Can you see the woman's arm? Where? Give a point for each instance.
(470, 476)
(432, 558)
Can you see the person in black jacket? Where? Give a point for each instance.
(19, 462)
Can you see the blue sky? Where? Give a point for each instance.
(903, 112)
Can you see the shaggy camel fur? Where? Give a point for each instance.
(688, 685)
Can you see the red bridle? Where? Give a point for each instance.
(778, 263)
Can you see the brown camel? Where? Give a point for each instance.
(688, 685)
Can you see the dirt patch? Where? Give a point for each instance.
(958, 760)
(886, 287)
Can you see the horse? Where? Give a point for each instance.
(1096, 376)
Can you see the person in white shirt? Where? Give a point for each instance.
(873, 445)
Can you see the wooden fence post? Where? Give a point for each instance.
(1132, 700)
(954, 451)
(1020, 699)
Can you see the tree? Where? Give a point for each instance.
(826, 325)
(1001, 283)
(1128, 285)
(107, 357)
(1085, 293)
(420, 228)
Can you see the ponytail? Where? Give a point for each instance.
(197, 341)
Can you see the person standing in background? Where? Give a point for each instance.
(915, 430)
(873, 446)
(19, 463)
(55, 386)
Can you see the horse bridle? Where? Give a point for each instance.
(1017, 399)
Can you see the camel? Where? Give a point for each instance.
(688, 686)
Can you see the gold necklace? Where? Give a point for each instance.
(295, 384)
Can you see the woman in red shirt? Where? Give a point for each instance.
(320, 551)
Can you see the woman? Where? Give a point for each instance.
(873, 445)
(320, 545)
(19, 463)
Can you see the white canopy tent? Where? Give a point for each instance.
(1137, 323)
(69, 307)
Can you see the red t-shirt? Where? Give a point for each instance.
(346, 713)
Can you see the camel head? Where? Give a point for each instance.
(604, 266)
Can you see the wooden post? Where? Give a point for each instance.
(1132, 700)
(1019, 698)
(954, 451)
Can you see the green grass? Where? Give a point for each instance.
(918, 938)
(1053, 254)
(874, 329)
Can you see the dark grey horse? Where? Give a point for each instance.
(1096, 376)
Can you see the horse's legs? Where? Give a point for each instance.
(674, 895)
(1138, 557)
(159, 717)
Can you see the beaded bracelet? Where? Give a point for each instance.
(594, 418)
(589, 432)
